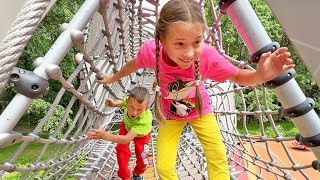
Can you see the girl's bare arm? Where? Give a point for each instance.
(126, 70)
(112, 103)
(270, 66)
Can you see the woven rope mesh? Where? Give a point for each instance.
(106, 35)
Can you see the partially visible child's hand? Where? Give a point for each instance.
(99, 133)
(110, 103)
(271, 65)
(107, 79)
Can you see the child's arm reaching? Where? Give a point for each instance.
(270, 66)
(100, 133)
(126, 70)
(112, 103)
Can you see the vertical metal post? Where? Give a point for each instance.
(289, 93)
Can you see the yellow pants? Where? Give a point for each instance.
(208, 133)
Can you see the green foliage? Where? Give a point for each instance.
(48, 32)
(13, 176)
(5, 97)
(43, 39)
(309, 87)
(38, 110)
(251, 103)
(290, 133)
(233, 43)
(270, 24)
(252, 128)
(271, 133)
(40, 43)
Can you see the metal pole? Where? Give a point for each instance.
(19, 104)
(288, 92)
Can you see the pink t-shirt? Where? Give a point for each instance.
(178, 85)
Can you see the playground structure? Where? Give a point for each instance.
(108, 33)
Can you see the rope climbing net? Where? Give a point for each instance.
(107, 34)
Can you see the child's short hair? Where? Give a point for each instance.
(140, 94)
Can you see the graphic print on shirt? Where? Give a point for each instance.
(178, 91)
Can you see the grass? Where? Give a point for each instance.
(29, 154)
(286, 128)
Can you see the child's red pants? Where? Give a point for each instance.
(123, 155)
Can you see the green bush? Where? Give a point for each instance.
(38, 110)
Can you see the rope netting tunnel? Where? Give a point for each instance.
(107, 34)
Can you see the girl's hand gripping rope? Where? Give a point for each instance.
(107, 79)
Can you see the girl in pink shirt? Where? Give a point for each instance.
(181, 61)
